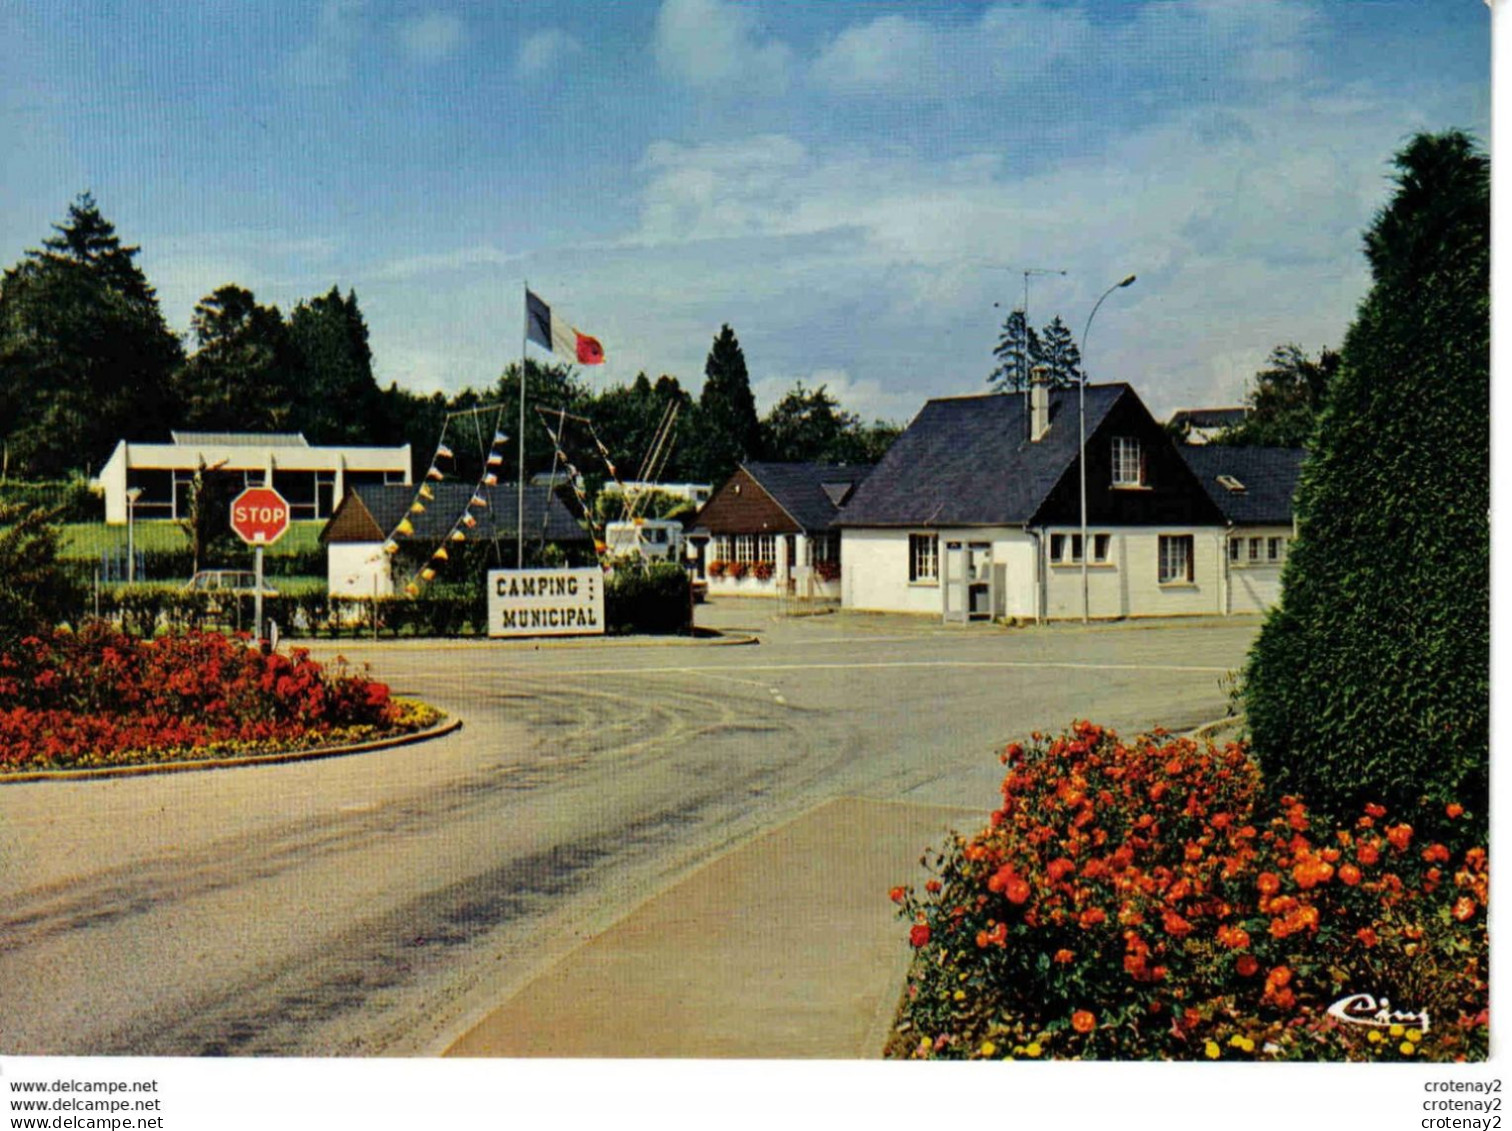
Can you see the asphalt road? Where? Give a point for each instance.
(379, 903)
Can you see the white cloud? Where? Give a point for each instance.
(431, 38)
(324, 59)
(439, 263)
(718, 45)
(544, 51)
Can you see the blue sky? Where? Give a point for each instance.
(850, 185)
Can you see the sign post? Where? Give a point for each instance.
(259, 517)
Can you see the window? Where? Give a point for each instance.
(1128, 462)
(1100, 546)
(1066, 549)
(1254, 548)
(766, 547)
(1175, 558)
(923, 557)
(1275, 549)
(1236, 545)
(745, 547)
(824, 548)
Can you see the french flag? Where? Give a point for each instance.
(555, 335)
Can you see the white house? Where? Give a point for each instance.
(313, 480)
(975, 513)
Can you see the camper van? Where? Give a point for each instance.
(654, 539)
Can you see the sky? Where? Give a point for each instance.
(856, 188)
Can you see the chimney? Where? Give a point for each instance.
(1039, 403)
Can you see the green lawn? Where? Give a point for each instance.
(84, 540)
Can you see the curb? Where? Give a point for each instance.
(439, 730)
(536, 644)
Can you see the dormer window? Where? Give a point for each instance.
(1128, 462)
(1229, 483)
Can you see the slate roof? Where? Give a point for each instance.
(968, 461)
(241, 439)
(1269, 476)
(812, 493)
(1209, 417)
(388, 503)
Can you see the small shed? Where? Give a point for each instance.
(371, 513)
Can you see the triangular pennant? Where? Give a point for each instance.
(440, 555)
(458, 536)
(499, 438)
(434, 473)
(426, 492)
(427, 574)
(490, 480)
(412, 589)
(443, 452)
(417, 507)
(405, 527)
(495, 459)
(391, 547)
(468, 521)
(477, 501)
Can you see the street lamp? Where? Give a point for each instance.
(132, 495)
(1081, 412)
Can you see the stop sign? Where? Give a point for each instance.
(259, 516)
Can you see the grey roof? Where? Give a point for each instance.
(1209, 417)
(968, 461)
(812, 493)
(241, 439)
(1269, 476)
(389, 503)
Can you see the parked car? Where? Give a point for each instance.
(233, 581)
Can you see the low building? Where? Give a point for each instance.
(975, 512)
(1203, 425)
(371, 514)
(313, 480)
(1254, 488)
(770, 530)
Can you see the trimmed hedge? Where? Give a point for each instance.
(1371, 680)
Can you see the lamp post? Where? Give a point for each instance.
(1081, 412)
(132, 495)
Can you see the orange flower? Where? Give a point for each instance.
(1269, 883)
(1280, 976)
(1176, 926)
(1349, 875)
(932, 887)
(1436, 854)
(919, 936)
(1247, 965)
(1368, 854)
(1017, 890)
(896, 895)
(1375, 810)
(1060, 867)
(1399, 836)
(1064, 956)
(1453, 810)
(1092, 916)
(1083, 1021)
(1368, 938)
(1464, 907)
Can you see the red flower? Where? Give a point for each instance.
(932, 887)
(1269, 883)
(1064, 956)
(896, 895)
(1399, 836)
(1368, 938)
(1017, 890)
(1083, 1021)
(1349, 875)
(1375, 810)
(1247, 965)
(1464, 908)
(919, 935)
(1453, 810)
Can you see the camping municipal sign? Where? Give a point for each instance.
(545, 602)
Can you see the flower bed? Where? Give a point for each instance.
(1142, 900)
(102, 698)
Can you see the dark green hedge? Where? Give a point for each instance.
(1371, 679)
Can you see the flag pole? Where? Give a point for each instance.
(520, 440)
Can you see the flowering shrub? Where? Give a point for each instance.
(101, 697)
(717, 568)
(764, 570)
(737, 570)
(1136, 900)
(827, 571)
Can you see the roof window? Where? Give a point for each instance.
(1231, 484)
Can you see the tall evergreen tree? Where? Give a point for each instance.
(240, 378)
(729, 430)
(85, 355)
(1017, 352)
(1059, 354)
(806, 425)
(1370, 682)
(339, 402)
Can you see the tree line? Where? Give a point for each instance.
(87, 359)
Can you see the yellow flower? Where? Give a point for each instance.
(1236, 1041)
(1212, 1050)
(960, 995)
(1396, 1030)
(1407, 1048)
(1374, 1037)
(1032, 1049)
(988, 1048)
(1414, 1035)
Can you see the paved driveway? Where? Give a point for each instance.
(379, 903)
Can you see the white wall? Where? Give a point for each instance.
(874, 570)
(1129, 585)
(351, 568)
(1256, 587)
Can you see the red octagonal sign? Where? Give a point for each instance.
(259, 516)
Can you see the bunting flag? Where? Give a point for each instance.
(417, 507)
(554, 334)
(458, 536)
(490, 480)
(440, 555)
(391, 547)
(426, 492)
(405, 527)
(468, 521)
(477, 501)
(427, 574)
(495, 459)
(434, 473)
(412, 589)
(443, 452)
(499, 438)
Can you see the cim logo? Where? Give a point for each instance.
(259, 516)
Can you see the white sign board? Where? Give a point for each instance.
(545, 602)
